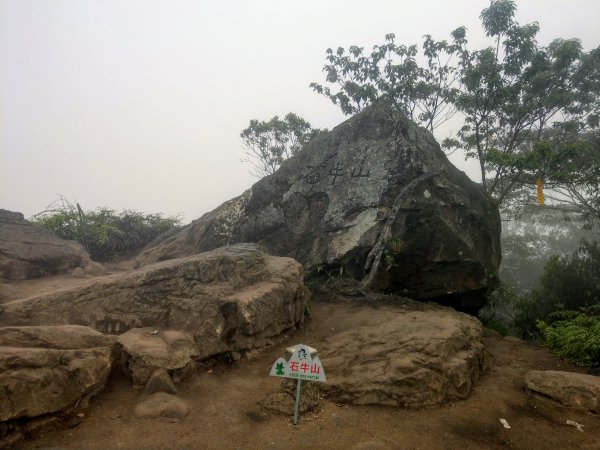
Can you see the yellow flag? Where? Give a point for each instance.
(540, 191)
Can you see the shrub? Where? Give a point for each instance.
(105, 233)
(568, 283)
(575, 336)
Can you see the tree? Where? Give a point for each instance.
(268, 143)
(516, 96)
(571, 172)
(391, 74)
(568, 283)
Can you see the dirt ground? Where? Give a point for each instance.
(225, 412)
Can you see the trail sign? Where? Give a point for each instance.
(301, 366)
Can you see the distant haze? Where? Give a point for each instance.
(139, 104)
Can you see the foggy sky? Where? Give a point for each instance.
(139, 104)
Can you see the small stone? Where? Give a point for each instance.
(161, 404)
(236, 356)
(160, 381)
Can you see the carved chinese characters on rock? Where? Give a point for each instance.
(333, 170)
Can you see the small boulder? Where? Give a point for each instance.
(160, 381)
(575, 390)
(161, 404)
(148, 350)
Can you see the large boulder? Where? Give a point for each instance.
(327, 206)
(46, 369)
(230, 299)
(575, 390)
(411, 356)
(28, 251)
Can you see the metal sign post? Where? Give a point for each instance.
(297, 405)
(301, 366)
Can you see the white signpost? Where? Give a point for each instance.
(301, 366)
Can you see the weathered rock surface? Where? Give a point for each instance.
(46, 369)
(326, 207)
(28, 251)
(415, 359)
(160, 381)
(230, 299)
(161, 404)
(149, 350)
(576, 390)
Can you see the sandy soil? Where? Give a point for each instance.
(225, 411)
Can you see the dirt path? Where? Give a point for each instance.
(225, 413)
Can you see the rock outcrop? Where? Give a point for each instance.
(328, 206)
(409, 357)
(575, 390)
(46, 369)
(230, 299)
(147, 350)
(28, 251)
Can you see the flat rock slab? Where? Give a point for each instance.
(575, 390)
(148, 350)
(410, 359)
(161, 404)
(45, 369)
(230, 299)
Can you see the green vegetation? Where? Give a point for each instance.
(574, 336)
(567, 283)
(268, 143)
(105, 233)
(527, 109)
